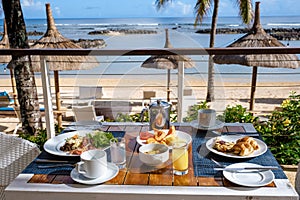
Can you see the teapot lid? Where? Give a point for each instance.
(159, 103)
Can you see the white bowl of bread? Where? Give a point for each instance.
(154, 154)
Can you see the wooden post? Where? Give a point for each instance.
(168, 85)
(47, 99)
(253, 87)
(57, 96)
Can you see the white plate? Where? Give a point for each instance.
(232, 138)
(249, 178)
(52, 145)
(181, 135)
(219, 124)
(112, 171)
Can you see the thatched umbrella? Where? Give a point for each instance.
(167, 62)
(257, 37)
(4, 44)
(53, 39)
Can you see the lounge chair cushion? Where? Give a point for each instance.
(5, 100)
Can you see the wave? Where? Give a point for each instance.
(233, 25)
(283, 24)
(152, 24)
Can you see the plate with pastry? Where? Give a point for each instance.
(236, 146)
(163, 136)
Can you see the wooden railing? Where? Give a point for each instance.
(173, 51)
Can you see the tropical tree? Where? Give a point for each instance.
(202, 8)
(25, 80)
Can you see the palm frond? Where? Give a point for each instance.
(202, 8)
(160, 3)
(246, 12)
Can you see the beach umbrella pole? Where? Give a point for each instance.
(168, 85)
(253, 87)
(57, 96)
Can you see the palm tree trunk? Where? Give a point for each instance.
(25, 80)
(210, 82)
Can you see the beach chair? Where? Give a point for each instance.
(15, 154)
(16, 109)
(19, 124)
(86, 113)
(147, 95)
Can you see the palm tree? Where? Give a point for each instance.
(202, 8)
(25, 80)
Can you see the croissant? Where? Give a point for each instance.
(223, 146)
(242, 149)
(249, 140)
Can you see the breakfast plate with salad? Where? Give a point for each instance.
(76, 142)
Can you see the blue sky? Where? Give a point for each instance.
(145, 8)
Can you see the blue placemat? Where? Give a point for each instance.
(32, 168)
(203, 166)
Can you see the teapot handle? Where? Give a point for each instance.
(142, 114)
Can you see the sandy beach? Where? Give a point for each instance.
(269, 95)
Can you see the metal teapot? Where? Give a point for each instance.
(159, 115)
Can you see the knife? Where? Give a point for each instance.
(39, 160)
(56, 165)
(262, 168)
(245, 134)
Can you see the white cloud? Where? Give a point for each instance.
(57, 10)
(176, 8)
(32, 3)
(183, 8)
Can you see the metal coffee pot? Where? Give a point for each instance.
(159, 115)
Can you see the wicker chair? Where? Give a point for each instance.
(297, 181)
(15, 154)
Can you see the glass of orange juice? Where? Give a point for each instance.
(180, 158)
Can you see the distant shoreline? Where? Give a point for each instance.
(286, 34)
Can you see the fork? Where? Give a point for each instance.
(217, 163)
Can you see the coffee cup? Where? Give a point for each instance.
(206, 117)
(93, 164)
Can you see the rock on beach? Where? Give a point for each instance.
(90, 43)
(278, 33)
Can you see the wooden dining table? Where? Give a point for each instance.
(139, 181)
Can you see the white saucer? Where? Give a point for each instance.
(250, 179)
(112, 171)
(219, 124)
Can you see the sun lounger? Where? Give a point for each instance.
(5, 100)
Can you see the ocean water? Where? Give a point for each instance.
(181, 33)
